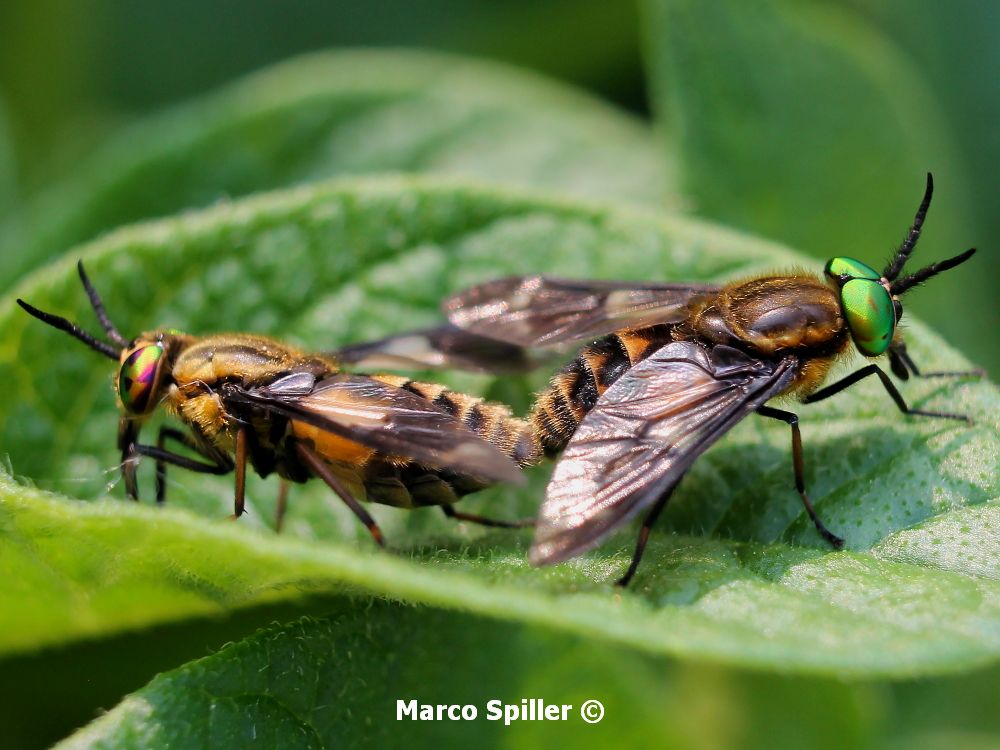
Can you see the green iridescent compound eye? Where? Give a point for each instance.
(138, 376)
(870, 315)
(839, 267)
(867, 305)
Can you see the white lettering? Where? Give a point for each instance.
(439, 712)
(510, 713)
(493, 712)
(528, 709)
(406, 708)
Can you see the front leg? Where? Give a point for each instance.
(189, 441)
(128, 436)
(863, 373)
(902, 365)
(221, 463)
(239, 501)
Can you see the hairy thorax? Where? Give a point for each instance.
(775, 316)
(772, 314)
(201, 366)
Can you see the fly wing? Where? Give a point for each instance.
(444, 347)
(541, 311)
(389, 419)
(642, 436)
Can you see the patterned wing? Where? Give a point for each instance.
(534, 311)
(444, 347)
(643, 434)
(389, 419)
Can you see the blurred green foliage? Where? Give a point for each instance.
(340, 113)
(806, 122)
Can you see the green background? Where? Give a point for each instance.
(807, 123)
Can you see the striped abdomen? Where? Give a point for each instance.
(575, 389)
(404, 483)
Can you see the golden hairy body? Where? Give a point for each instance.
(766, 316)
(201, 366)
(770, 314)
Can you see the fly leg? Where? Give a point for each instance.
(864, 372)
(792, 420)
(640, 545)
(221, 464)
(239, 500)
(128, 436)
(320, 469)
(188, 441)
(521, 523)
(281, 507)
(902, 365)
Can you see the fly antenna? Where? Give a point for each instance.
(908, 282)
(98, 305)
(73, 330)
(903, 253)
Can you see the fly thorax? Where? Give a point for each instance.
(205, 413)
(709, 323)
(777, 313)
(247, 359)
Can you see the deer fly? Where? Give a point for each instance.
(675, 366)
(244, 397)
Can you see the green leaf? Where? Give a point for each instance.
(335, 682)
(742, 579)
(802, 122)
(339, 113)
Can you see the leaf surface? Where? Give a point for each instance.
(328, 682)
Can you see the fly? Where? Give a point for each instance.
(675, 366)
(244, 398)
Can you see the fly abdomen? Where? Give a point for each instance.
(574, 390)
(408, 484)
(494, 423)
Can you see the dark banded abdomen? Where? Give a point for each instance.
(404, 483)
(574, 390)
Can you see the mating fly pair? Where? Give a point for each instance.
(676, 366)
(673, 368)
(249, 399)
